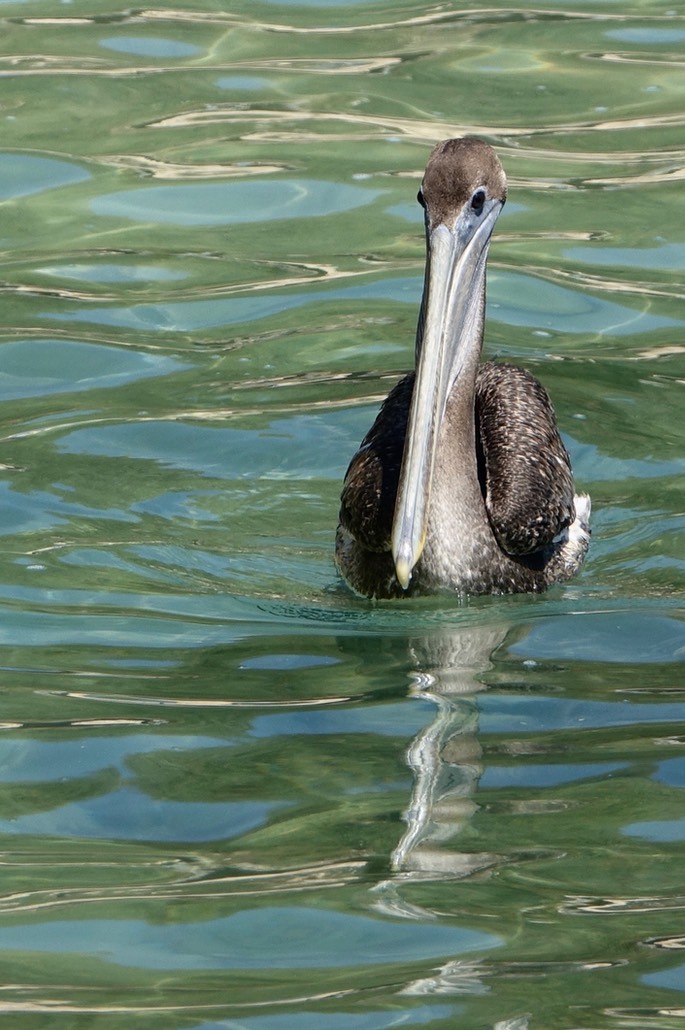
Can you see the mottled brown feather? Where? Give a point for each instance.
(525, 469)
(371, 481)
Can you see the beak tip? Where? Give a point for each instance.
(403, 569)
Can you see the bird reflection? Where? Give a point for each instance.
(446, 760)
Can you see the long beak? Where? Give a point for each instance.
(452, 334)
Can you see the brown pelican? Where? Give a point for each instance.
(463, 482)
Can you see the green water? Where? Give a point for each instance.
(232, 794)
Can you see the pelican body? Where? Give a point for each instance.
(462, 483)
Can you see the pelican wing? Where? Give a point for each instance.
(370, 487)
(524, 467)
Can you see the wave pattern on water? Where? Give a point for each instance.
(218, 769)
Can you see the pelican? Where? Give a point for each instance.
(462, 484)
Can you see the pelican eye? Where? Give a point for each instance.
(478, 201)
(421, 199)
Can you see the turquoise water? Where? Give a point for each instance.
(231, 793)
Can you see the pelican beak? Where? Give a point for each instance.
(454, 297)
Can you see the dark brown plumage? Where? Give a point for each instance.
(525, 471)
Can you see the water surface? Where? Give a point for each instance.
(231, 793)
